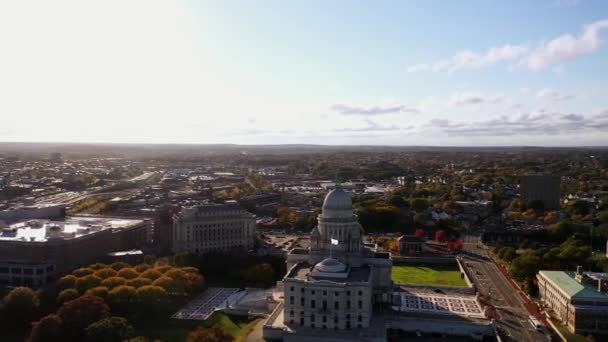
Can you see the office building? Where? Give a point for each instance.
(219, 228)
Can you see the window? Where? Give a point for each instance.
(337, 294)
(291, 300)
(301, 320)
(312, 292)
(324, 319)
(360, 305)
(348, 317)
(302, 289)
(291, 288)
(312, 318)
(360, 293)
(313, 303)
(359, 318)
(325, 293)
(336, 319)
(324, 305)
(336, 305)
(291, 313)
(348, 304)
(348, 293)
(302, 301)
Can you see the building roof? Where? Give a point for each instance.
(337, 199)
(568, 284)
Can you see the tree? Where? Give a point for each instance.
(79, 313)
(112, 282)
(440, 236)
(151, 274)
(398, 201)
(525, 266)
(139, 282)
(537, 205)
(142, 267)
(67, 295)
(170, 285)
(49, 328)
(110, 329)
(83, 271)
(123, 294)
(21, 305)
(87, 282)
(213, 334)
(455, 245)
(128, 273)
(67, 282)
(184, 259)
(105, 273)
(420, 233)
(149, 259)
(286, 216)
(260, 275)
(420, 218)
(99, 291)
(117, 266)
(580, 207)
(419, 204)
(153, 297)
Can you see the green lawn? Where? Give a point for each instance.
(428, 274)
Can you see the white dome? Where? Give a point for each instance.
(330, 265)
(338, 199)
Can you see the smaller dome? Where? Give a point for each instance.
(330, 265)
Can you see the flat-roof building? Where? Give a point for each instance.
(542, 188)
(579, 300)
(212, 227)
(36, 251)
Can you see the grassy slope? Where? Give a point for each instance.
(428, 274)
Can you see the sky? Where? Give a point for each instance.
(439, 73)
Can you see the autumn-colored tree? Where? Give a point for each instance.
(142, 267)
(151, 274)
(117, 266)
(139, 282)
(87, 282)
(110, 329)
(189, 269)
(420, 232)
(121, 295)
(112, 282)
(128, 273)
(49, 328)
(99, 291)
(213, 334)
(286, 216)
(83, 271)
(162, 268)
(67, 282)
(149, 259)
(455, 245)
(440, 236)
(170, 285)
(104, 273)
(21, 305)
(79, 313)
(67, 295)
(98, 265)
(194, 283)
(152, 297)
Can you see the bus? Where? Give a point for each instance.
(535, 322)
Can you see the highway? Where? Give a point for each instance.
(493, 285)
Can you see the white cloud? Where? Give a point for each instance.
(460, 99)
(345, 109)
(553, 94)
(557, 51)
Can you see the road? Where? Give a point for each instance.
(492, 284)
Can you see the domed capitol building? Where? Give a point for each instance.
(340, 289)
(332, 286)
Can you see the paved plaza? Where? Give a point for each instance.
(439, 304)
(204, 305)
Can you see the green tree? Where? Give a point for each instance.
(110, 329)
(526, 266)
(398, 201)
(21, 305)
(419, 204)
(260, 275)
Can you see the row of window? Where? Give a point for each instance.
(336, 293)
(313, 303)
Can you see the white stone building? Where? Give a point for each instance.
(213, 227)
(334, 284)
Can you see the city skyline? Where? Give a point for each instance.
(339, 73)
